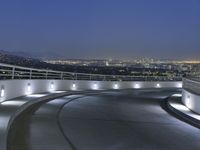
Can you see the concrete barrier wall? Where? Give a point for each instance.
(191, 94)
(14, 88)
(191, 85)
(191, 100)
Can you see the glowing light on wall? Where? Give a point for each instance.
(179, 85)
(177, 95)
(74, 86)
(157, 85)
(2, 92)
(59, 91)
(95, 86)
(29, 90)
(187, 101)
(116, 86)
(36, 95)
(136, 86)
(52, 85)
(13, 103)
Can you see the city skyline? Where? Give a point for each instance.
(102, 29)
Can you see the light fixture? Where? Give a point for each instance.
(36, 95)
(95, 86)
(137, 86)
(157, 85)
(52, 85)
(2, 91)
(179, 85)
(116, 86)
(29, 88)
(73, 86)
(177, 95)
(188, 101)
(13, 103)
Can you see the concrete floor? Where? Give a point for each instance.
(112, 120)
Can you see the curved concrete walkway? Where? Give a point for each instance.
(11, 109)
(110, 120)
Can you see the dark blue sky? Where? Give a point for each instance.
(102, 28)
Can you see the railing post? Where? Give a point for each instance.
(30, 75)
(104, 78)
(46, 74)
(13, 72)
(74, 76)
(90, 77)
(61, 76)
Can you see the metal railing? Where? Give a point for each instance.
(18, 72)
(192, 84)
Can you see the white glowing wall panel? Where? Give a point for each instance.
(191, 100)
(15, 88)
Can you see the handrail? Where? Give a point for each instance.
(19, 72)
(192, 84)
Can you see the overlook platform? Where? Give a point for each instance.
(112, 120)
(52, 110)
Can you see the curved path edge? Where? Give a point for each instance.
(178, 114)
(20, 111)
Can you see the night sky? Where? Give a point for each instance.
(164, 29)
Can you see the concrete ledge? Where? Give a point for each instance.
(167, 105)
(191, 94)
(191, 100)
(16, 88)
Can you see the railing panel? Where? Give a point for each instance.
(18, 72)
(192, 85)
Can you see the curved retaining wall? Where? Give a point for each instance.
(13, 88)
(191, 94)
